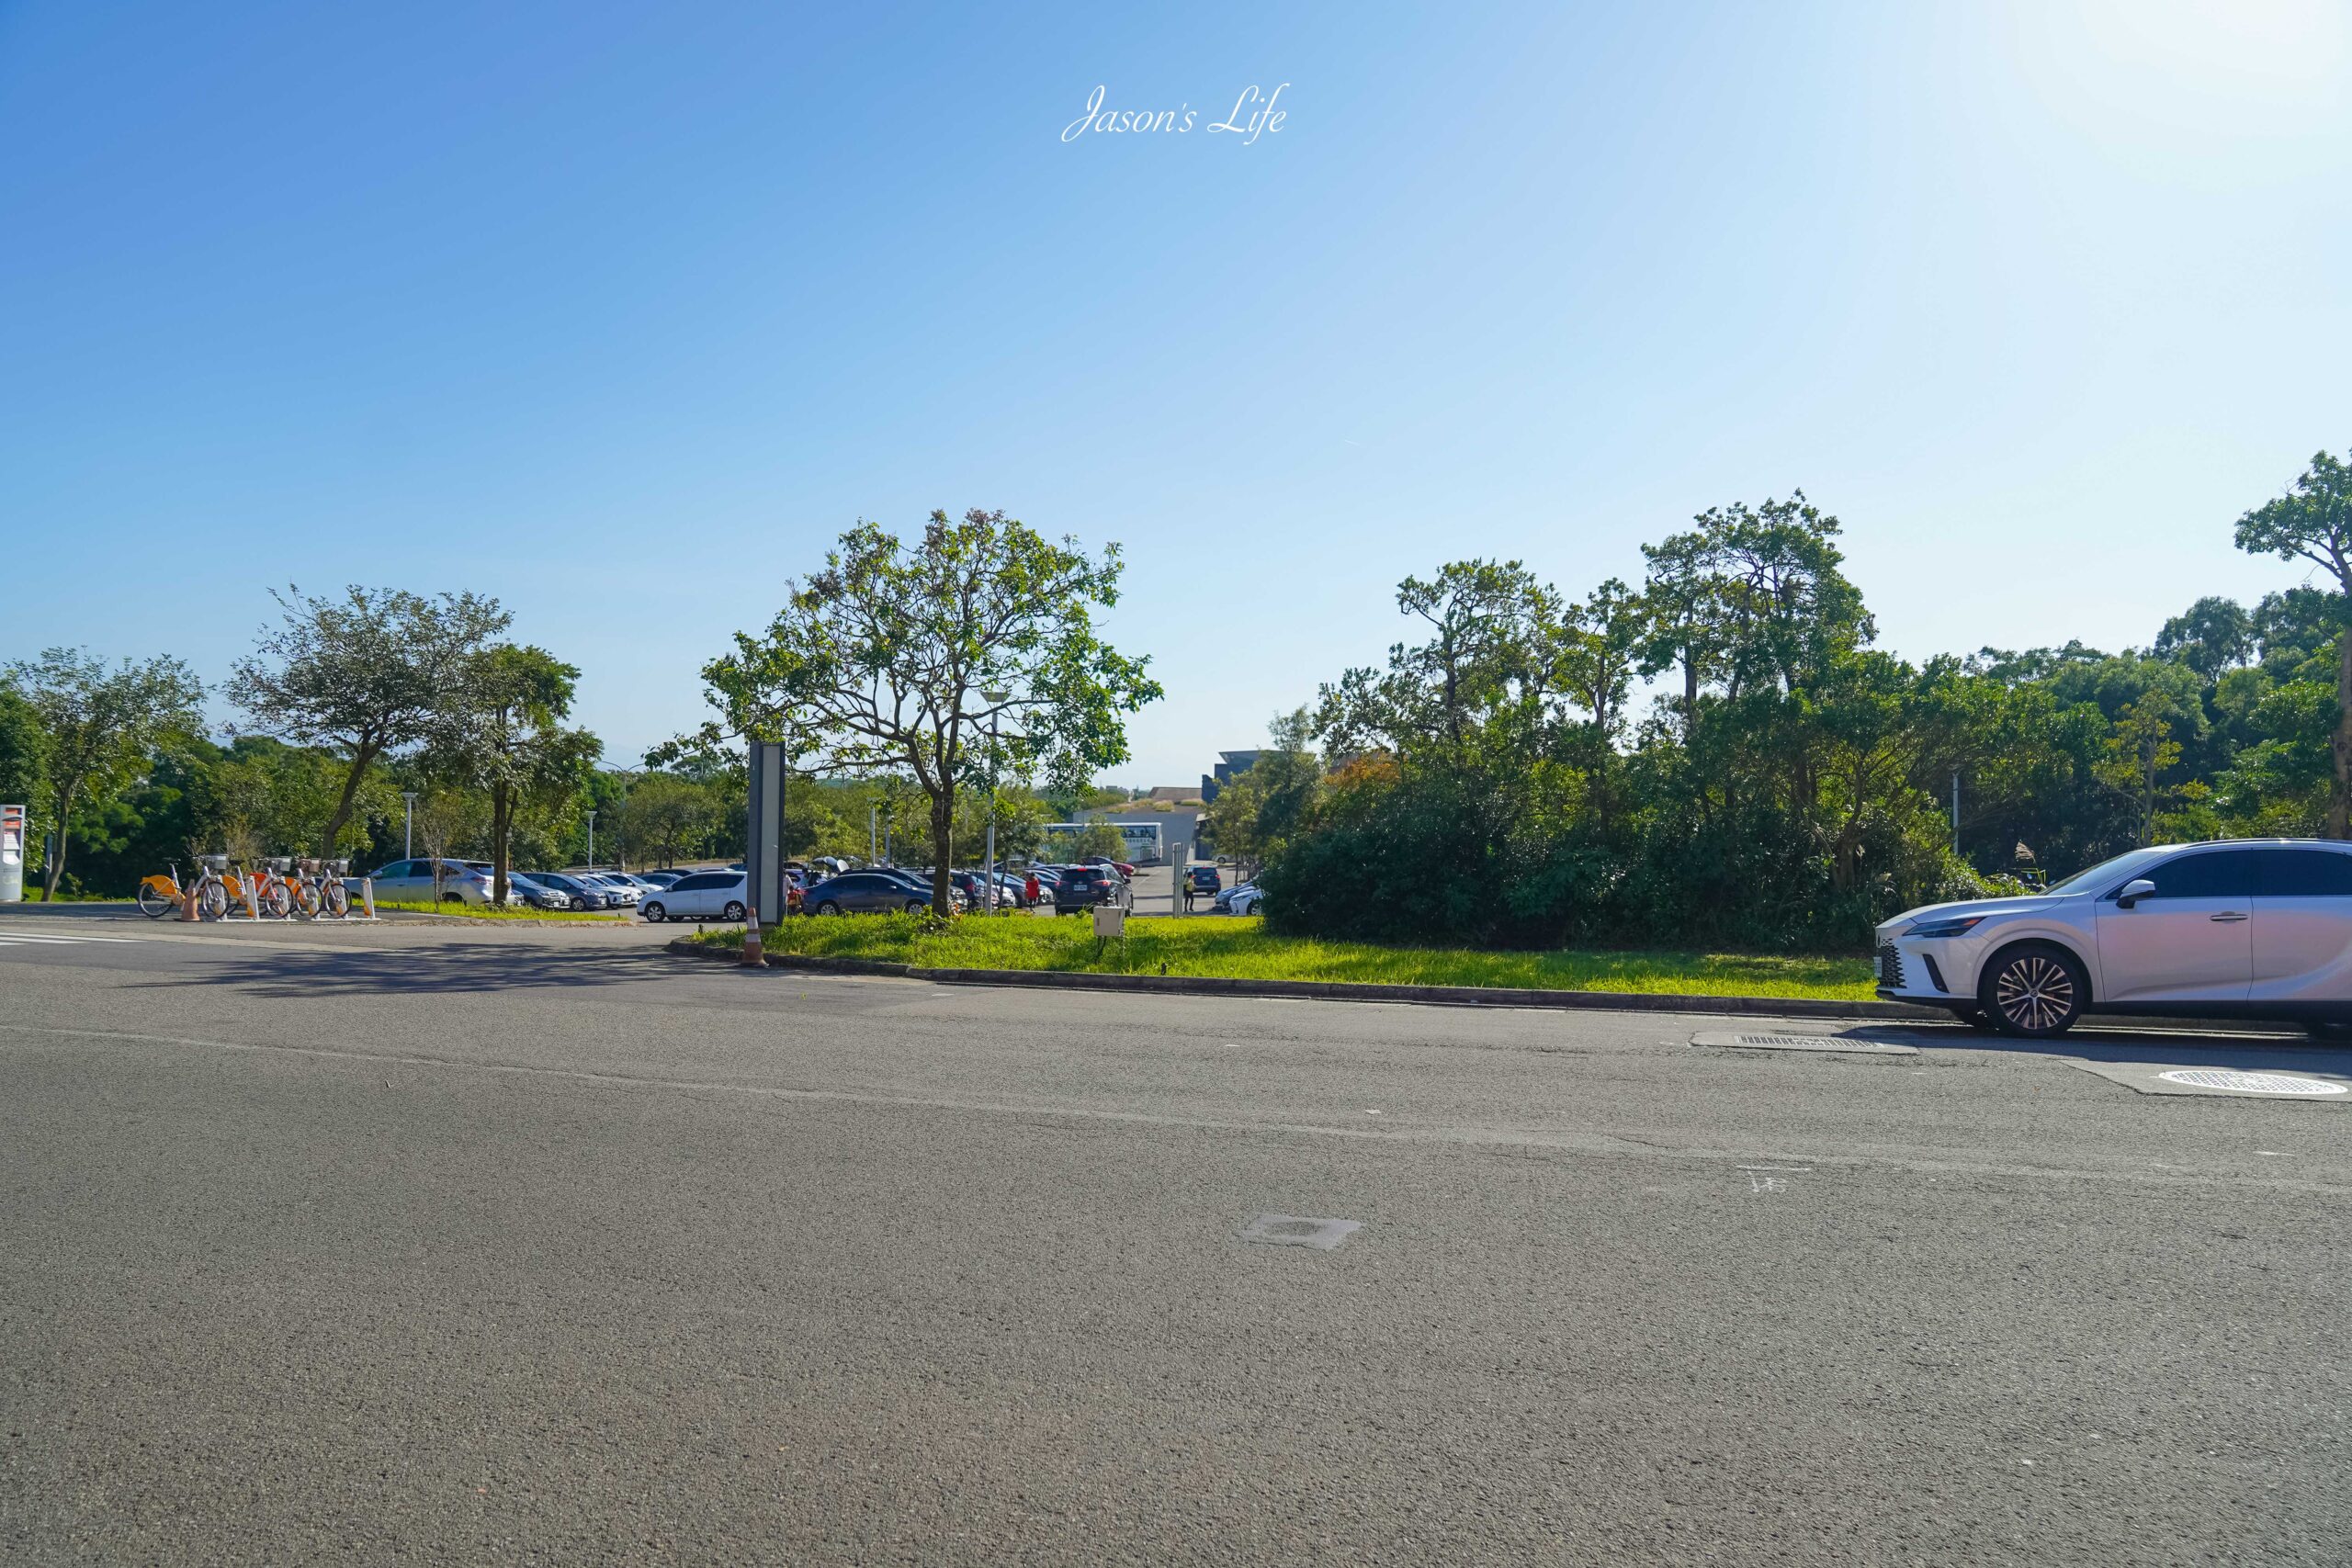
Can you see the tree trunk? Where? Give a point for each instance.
(943, 848)
(56, 867)
(361, 759)
(2339, 805)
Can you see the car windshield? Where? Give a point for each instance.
(2114, 870)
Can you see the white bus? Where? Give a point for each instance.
(1143, 845)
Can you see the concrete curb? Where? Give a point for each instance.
(1339, 990)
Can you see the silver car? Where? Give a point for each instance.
(2245, 928)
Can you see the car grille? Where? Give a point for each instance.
(1890, 967)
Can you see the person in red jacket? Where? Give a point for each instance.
(1032, 889)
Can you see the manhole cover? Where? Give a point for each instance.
(2249, 1083)
(1298, 1230)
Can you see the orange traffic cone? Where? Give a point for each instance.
(752, 957)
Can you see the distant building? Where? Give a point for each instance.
(1234, 765)
(1173, 794)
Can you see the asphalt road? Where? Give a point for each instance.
(484, 1245)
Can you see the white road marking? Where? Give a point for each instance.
(51, 937)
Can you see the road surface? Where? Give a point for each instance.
(484, 1244)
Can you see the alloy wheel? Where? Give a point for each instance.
(2035, 993)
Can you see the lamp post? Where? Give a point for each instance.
(873, 834)
(408, 824)
(995, 701)
(592, 841)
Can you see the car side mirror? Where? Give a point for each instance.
(2132, 892)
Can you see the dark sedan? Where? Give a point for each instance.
(1082, 888)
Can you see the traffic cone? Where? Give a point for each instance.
(752, 957)
(187, 903)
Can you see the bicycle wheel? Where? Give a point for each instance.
(275, 902)
(154, 903)
(212, 901)
(335, 898)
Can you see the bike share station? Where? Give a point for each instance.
(12, 854)
(283, 889)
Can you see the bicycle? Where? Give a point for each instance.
(160, 893)
(319, 892)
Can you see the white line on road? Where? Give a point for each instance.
(1572, 1143)
(47, 936)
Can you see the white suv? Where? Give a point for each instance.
(2246, 927)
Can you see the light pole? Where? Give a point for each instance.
(995, 701)
(592, 841)
(873, 835)
(408, 824)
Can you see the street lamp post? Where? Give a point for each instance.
(592, 841)
(408, 824)
(995, 701)
(873, 834)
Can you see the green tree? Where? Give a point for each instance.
(2313, 522)
(884, 661)
(664, 815)
(501, 733)
(371, 674)
(1254, 816)
(102, 727)
(24, 749)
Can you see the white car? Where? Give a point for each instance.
(619, 890)
(704, 896)
(1245, 899)
(2245, 928)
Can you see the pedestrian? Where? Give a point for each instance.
(1032, 889)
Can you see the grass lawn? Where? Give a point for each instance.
(1242, 949)
(494, 912)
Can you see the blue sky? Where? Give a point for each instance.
(622, 312)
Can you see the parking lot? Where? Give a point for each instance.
(540, 1243)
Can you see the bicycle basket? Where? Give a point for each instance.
(279, 865)
(338, 868)
(308, 867)
(213, 863)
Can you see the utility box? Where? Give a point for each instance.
(1110, 920)
(12, 854)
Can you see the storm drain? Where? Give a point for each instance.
(1298, 1230)
(2249, 1083)
(1760, 1041)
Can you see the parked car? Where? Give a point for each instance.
(921, 882)
(584, 893)
(700, 896)
(1126, 871)
(1081, 887)
(537, 894)
(658, 878)
(864, 893)
(412, 882)
(621, 889)
(2242, 928)
(1203, 879)
(1244, 900)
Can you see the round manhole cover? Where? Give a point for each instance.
(2249, 1083)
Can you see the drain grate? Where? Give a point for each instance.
(2249, 1083)
(1760, 1039)
(1298, 1230)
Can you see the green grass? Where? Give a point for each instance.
(493, 912)
(1242, 949)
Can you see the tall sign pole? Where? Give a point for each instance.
(764, 856)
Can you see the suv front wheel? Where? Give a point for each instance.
(2035, 989)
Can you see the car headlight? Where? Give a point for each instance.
(1960, 927)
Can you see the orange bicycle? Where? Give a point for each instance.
(161, 894)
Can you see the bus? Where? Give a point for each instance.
(1143, 845)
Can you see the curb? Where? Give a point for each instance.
(1339, 990)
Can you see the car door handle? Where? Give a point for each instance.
(2231, 915)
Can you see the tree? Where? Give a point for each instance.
(102, 727)
(501, 734)
(882, 662)
(2211, 636)
(1097, 837)
(24, 749)
(371, 674)
(2313, 521)
(1256, 814)
(664, 813)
